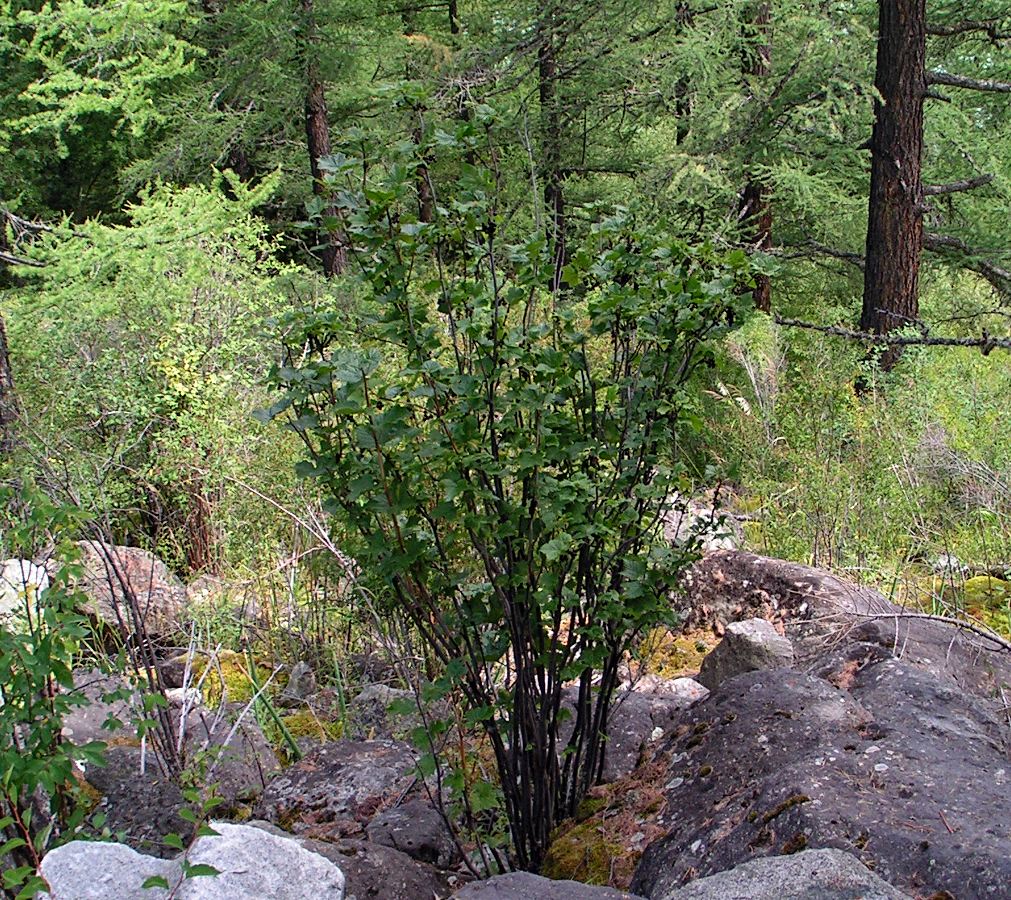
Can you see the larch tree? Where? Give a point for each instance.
(895, 208)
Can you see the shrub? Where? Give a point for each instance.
(503, 453)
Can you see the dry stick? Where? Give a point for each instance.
(986, 343)
(980, 630)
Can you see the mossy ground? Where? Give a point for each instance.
(615, 823)
(669, 654)
(227, 677)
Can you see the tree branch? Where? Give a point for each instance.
(999, 277)
(968, 26)
(986, 343)
(971, 84)
(12, 260)
(967, 184)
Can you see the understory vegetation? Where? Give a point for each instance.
(396, 333)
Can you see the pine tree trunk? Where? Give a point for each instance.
(317, 133)
(895, 211)
(756, 211)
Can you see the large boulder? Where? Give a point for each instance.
(869, 754)
(808, 875)
(526, 886)
(251, 864)
(117, 577)
(336, 790)
(746, 646)
(819, 610)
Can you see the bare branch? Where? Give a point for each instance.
(966, 184)
(968, 26)
(986, 343)
(13, 260)
(999, 277)
(971, 84)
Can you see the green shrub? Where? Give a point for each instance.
(502, 453)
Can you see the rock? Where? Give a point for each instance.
(371, 716)
(375, 872)
(254, 864)
(746, 646)
(300, 687)
(417, 829)
(688, 520)
(89, 870)
(20, 580)
(160, 595)
(251, 864)
(144, 808)
(870, 754)
(525, 886)
(817, 608)
(809, 875)
(237, 758)
(336, 790)
(687, 691)
(87, 723)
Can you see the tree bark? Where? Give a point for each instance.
(317, 133)
(756, 210)
(551, 142)
(895, 210)
(8, 398)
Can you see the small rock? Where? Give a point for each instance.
(301, 685)
(821, 874)
(87, 870)
(254, 864)
(526, 886)
(417, 829)
(746, 646)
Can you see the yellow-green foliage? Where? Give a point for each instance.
(306, 723)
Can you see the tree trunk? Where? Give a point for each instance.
(551, 143)
(895, 211)
(317, 133)
(8, 399)
(756, 211)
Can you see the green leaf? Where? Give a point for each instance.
(156, 881)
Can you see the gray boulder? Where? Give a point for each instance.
(746, 646)
(86, 870)
(336, 790)
(417, 829)
(869, 754)
(525, 886)
(254, 864)
(809, 875)
(21, 580)
(371, 717)
(251, 864)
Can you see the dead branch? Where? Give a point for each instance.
(970, 84)
(967, 184)
(961, 624)
(985, 343)
(998, 276)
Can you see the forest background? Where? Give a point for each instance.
(199, 199)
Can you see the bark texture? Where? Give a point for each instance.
(756, 210)
(895, 211)
(317, 133)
